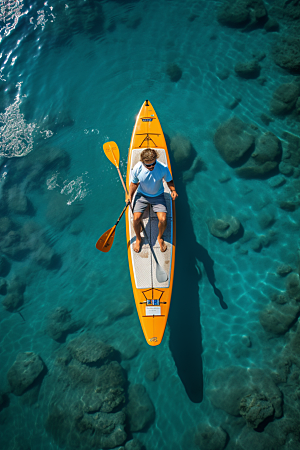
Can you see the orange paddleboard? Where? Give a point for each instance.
(152, 295)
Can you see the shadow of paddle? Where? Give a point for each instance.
(184, 318)
(202, 255)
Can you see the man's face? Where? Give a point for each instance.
(150, 164)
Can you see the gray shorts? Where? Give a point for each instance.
(141, 202)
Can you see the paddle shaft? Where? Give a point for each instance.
(121, 178)
(114, 227)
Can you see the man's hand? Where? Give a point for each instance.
(174, 194)
(132, 188)
(171, 186)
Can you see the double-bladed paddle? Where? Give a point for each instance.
(112, 152)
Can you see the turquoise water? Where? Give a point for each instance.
(69, 88)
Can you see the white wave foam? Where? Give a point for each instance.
(10, 12)
(76, 189)
(16, 136)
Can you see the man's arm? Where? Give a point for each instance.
(172, 189)
(132, 188)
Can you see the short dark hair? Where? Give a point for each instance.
(148, 154)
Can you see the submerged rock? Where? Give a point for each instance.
(59, 213)
(291, 158)
(280, 298)
(233, 140)
(286, 168)
(36, 166)
(289, 206)
(224, 178)
(75, 19)
(18, 243)
(151, 369)
(227, 387)
(266, 220)
(267, 148)
(197, 166)
(277, 181)
(284, 99)
(60, 324)
(12, 301)
(97, 430)
(14, 298)
(55, 121)
(87, 394)
(246, 340)
(134, 444)
(224, 228)
(25, 370)
(183, 152)
(174, 72)
(210, 438)
(255, 408)
(239, 13)
(248, 69)
(265, 158)
(140, 409)
(89, 349)
(14, 246)
(250, 439)
(17, 201)
(283, 270)
(286, 53)
(277, 319)
(46, 257)
(223, 74)
(233, 15)
(293, 286)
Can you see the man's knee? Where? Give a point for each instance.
(137, 219)
(162, 220)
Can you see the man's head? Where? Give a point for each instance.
(149, 157)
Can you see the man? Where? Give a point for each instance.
(146, 178)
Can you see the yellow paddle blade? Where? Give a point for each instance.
(105, 242)
(112, 152)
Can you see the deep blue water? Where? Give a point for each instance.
(70, 82)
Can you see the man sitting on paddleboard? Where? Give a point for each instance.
(147, 178)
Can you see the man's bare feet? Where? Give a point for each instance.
(162, 244)
(137, 245)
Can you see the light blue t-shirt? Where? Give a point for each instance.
(150, 181)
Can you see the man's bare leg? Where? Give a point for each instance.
(162, 225)
(137, 229)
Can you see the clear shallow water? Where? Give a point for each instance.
(96, 84)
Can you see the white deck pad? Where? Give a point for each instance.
(144, 265)
(153, 310)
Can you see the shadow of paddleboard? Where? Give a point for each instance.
(184, 318)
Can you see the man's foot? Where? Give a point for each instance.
(162, 244)
(137, 245)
